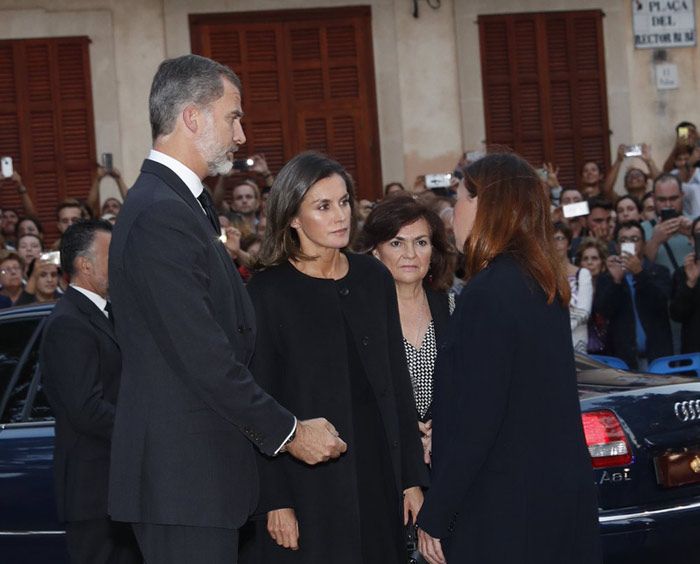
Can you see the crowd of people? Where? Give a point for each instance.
(624, 266)
(657, 307)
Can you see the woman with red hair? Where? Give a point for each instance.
(511, 478)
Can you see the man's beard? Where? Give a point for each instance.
(212, 152)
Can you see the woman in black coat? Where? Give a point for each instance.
(411, 240)
(512, 480)
(329, 345)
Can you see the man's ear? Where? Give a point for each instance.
(191, 116)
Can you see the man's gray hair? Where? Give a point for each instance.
(189, 79)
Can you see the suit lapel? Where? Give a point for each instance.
(180, 188)
(91, 311)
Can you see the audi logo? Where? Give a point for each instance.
(687, 410)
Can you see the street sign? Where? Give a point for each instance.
(663, 23)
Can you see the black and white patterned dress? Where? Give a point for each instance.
(421, 364)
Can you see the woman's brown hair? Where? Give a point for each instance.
(513, 217)
(281, 242)
(390, 215)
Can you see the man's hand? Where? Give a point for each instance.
(552, 173)
(259, 165)
(692, 270)
(233, 242)
(614, 264)
(114, 173)
(283, 527)
(426, 437)
(430, 548)
(646, 152)
(621, 152)
(664, 230)
(631, 263)
(316, 440)
(412, 502)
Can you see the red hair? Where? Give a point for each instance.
(513, 217)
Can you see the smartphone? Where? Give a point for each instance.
(243, 164)
(577, 209)
(543, 174)
(633, 150)
(7, 169)
(696, 240)
(668, 213)
(433, 181)
(223, 238)
(683, 132)
(53, 257)
(107, 163)
(629, 248)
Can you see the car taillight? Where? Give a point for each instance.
(606, 439)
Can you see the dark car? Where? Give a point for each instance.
(643, 433)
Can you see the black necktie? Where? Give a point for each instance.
(206, 201)
(108, 309)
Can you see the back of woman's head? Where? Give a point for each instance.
(281, 242)
(390, 215)
(513, 217)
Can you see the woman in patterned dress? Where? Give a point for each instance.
(411, 241)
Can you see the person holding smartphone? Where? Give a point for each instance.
(633, 295)
(668, 236)
(685, 298)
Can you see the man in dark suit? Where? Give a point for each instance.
(81, 363)
(633, 296)
(183, 468)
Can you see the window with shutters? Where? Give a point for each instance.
(46, 122)
(544, 88)
(308, 83)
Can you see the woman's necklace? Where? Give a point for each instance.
(420, 331)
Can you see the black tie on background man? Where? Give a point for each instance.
(183, 468)
(81, 363)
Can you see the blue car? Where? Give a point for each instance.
(643, 433)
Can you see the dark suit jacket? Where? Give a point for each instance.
(511, 478)
(189, 410)
(614, 302)
(685, 308)
(80, 363)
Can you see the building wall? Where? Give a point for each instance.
(428, 75)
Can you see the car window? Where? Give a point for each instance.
(19, 352)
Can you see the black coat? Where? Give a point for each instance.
(301, 358)
(614, 302)
(685, 308)
(189, 409)
(80, 363)
(511, 478)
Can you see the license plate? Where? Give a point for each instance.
(678, 467)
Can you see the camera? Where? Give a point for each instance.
(633, 150)
(668, 213)
(433, 181)
(7, 169)
(107, 163)
(243, 164)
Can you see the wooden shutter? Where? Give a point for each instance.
(308, 83)
(544, 88)
(46, 121)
